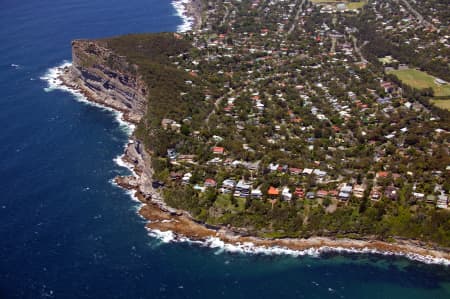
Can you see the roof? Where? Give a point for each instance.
(319, 172)
(273, 191)
(243, 185)
(273, 166)
(322, 193)
(382, 174)
(286, 191)
(344, 195)
(294, 170)
(299, 191)
(218, 150)
(256, 192)
(308, 171)
(210, 182)
(346, 189)
(359, 188)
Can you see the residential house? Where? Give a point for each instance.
(228, 186)
(286, 194)
(172, 154)
(273, 192)
(345, 192)
(210, 183)
(186, 178)
(375, 194)
(299, 192)
(175, 176)
(273, 167)
(442, 201)
(322, 193)
(310, 195)
(218, 150)
(256, 193)
(307, 171)
(295, 171)
(243, 189)
(358, 191)
(391, 193)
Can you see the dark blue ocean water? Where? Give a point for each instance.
(67, 232)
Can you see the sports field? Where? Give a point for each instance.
(356, 5)
(443, 104)
(421, 80)
(350, 5)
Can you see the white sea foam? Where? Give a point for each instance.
(249, 248)
(120, 161)
(180, 7)
(54, 83)
(52, 77)
(165, 237)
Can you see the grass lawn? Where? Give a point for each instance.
(350, 5)
(325, 1)
(224, 201)
(356, 5)
(443, 104)
(421, 80)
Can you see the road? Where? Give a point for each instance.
(358, 50)
(333, 45)
(225, 16)
(417, 14)
(217, 105)
(297, 16)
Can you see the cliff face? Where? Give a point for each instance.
(107, 78)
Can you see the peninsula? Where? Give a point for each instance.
(282, 123)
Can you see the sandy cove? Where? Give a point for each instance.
(162, 218)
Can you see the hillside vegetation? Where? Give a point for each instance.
(186, 83)
(169, 95)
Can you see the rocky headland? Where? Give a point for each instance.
(108, 79)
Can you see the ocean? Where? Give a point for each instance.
(67, 232)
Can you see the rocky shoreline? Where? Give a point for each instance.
(117, 85)
(183, 227)
(194, 8)
(191, 12)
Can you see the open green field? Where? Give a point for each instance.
(325, 1)
(443, 104)
(350, 5)
(421, 80)
(356, 5)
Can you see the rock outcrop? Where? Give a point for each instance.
(109, 79)
(139, 161)
(106, 78)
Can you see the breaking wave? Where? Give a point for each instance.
(52, 77)
(180, 7)
(250, 248)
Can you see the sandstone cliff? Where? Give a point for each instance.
(107, 78)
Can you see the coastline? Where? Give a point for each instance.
(190, 13)
(172, 225)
